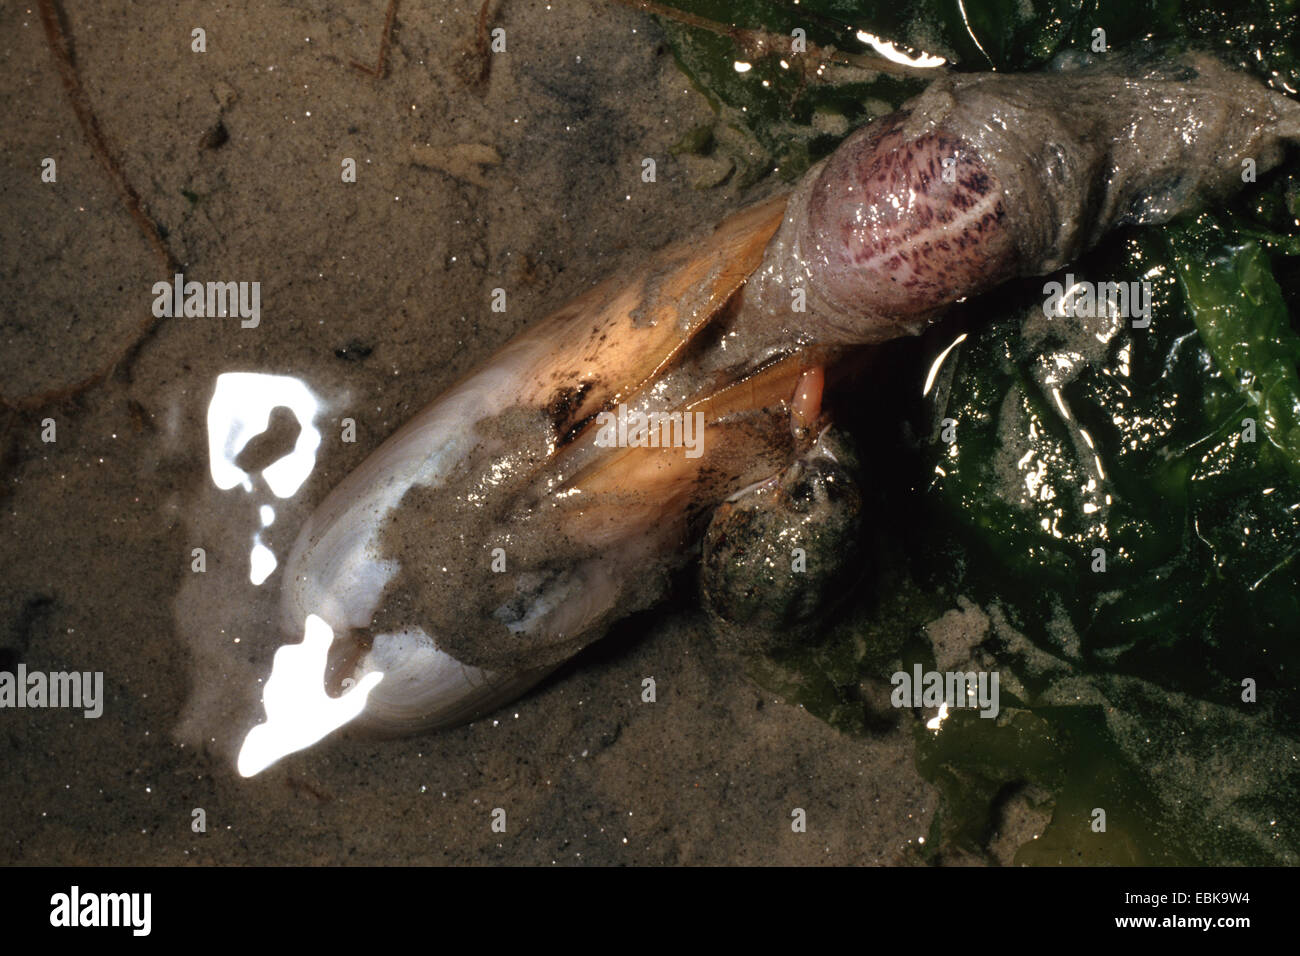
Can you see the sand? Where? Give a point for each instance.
(376, 295)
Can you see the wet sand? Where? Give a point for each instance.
(521, 172)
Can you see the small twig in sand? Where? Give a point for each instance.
(61, 47)
(481, 43)
(381, 68)
(52, 18)
(474, 64)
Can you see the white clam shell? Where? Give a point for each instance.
(336, 571)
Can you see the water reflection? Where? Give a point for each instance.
(298, 710)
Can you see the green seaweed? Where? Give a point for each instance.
(1125, 689)
(1239, 312)
(793, 109)
(1199, 527)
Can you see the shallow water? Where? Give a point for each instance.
(374, 296)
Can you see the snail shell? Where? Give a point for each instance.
(777, 557)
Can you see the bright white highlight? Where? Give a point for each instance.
(241, 410)
(938, 364)
(298, 711)
(260, 563)
(887, 49)
(935, 723)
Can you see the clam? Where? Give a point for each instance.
(552, 491)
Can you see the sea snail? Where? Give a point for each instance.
(554, 490)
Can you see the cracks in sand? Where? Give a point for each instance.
(54, 21)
